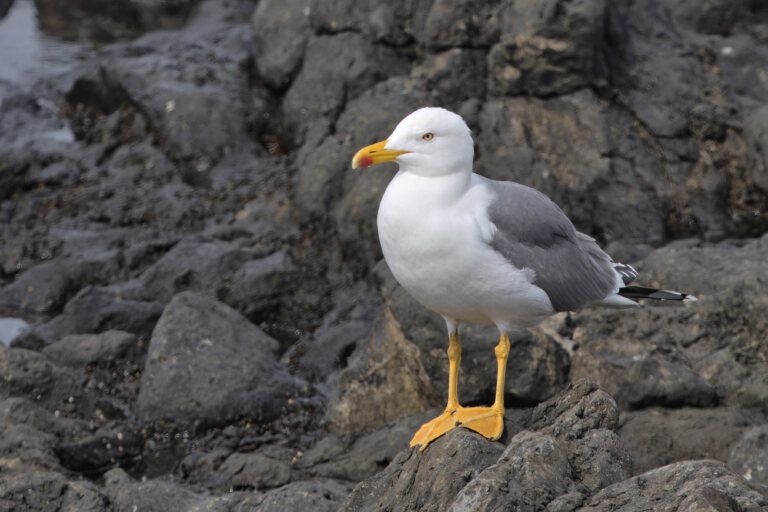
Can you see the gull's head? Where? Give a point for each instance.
(431, 141)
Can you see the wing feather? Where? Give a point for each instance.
(533, 232)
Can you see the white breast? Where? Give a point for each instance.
(433, 234)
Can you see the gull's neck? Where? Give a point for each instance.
(432, 190)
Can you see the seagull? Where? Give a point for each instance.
(478, 250)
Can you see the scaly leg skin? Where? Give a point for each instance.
(435, 428)
(486, 421)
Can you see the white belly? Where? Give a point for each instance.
(437, 254)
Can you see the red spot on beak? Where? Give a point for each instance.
(365, 161)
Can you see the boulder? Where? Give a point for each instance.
(80, 350)
(45, 490)
(316, 495)
(749, 455)
(280, 32)
(208, 365)
(689, 485)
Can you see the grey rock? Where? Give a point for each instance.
(339, 457)
(647, 61)
(638, 377)
(258, 284)
(45, 490)
(690, 485)
(334, 68)
(452, 76)
(695, 342)
(427, 481)
(547, 48)
(316, 495)
(80, 350)
(531, 472)
(160, 495)
(749, 456)
(94, 310)
(280, 32)
(208, 365)
(464, 23)
(657, 436)
(395, 23)
(112, 445)
(222, 470)
(30, 374)
(207, 267)
(712, 16)
(524, 140)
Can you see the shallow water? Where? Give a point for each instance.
(26, 53)
(10, 328)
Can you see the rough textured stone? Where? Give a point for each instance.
(79, 350)
(749, 456)
(690, 485)
(207, 365)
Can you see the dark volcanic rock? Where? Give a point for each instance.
(94, 310)
(691, 485)
(280, 32)
(50, 491)
(656, 437)
(569, 449)
(79, 350)
(426, 481)
(207, 365)
(749, 455)
(316, 495)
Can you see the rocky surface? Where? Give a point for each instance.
(212, 327)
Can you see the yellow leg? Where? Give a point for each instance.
(487, 421)
(435, 428)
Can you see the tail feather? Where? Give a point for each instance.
(643, 292)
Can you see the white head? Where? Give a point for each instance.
(431, 141)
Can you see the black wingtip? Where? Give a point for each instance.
(643, 292)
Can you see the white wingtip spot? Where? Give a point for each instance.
(690, 298)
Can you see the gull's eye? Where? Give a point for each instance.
(428, 136)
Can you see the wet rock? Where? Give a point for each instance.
(24, 448)
(280, 31)
(427, 481)
(749, 456)
(80, 350)
(42, 289)
(690, 485)
(711, 17)
(94, 310)
(208, 365)
(50, 491)
(657, 436)
(116, 444)
(547, 48)
(316, 495)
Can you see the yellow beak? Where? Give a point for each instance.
(375, 154)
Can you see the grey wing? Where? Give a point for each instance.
(533, 232)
